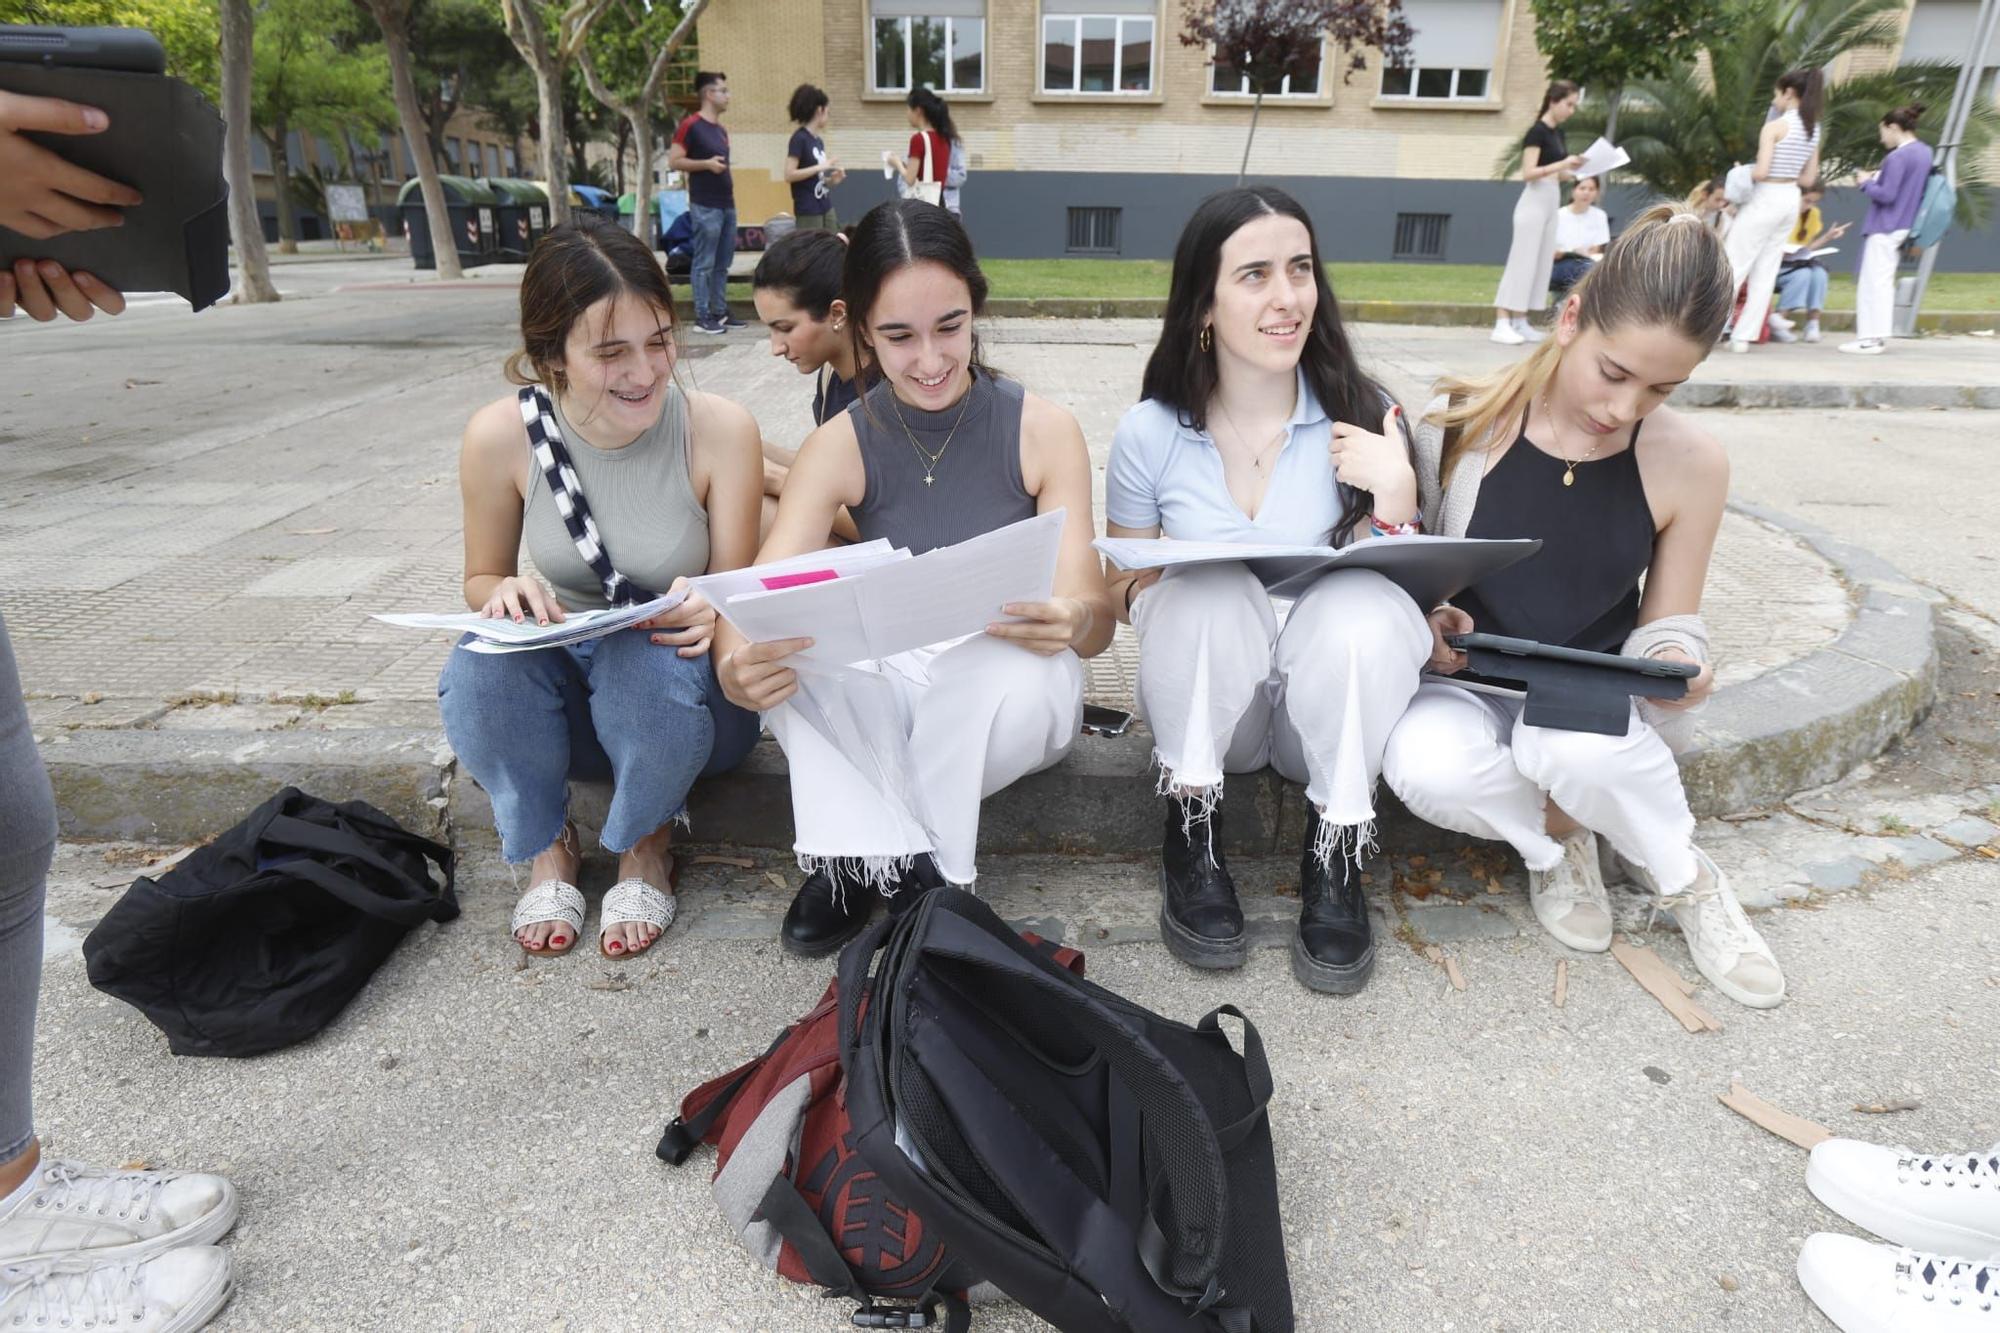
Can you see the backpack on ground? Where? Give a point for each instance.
(793, 1189)
(1934, 212)
(1108, 1168)
(260, 938)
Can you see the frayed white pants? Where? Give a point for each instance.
(891, 760)
(1756, 248)
(1466, 761)
(1226, 690)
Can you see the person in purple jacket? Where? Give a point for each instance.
(1893, 191)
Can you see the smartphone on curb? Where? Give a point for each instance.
(130, 50)
(1101, 721)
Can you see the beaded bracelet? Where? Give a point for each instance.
(1409, 529)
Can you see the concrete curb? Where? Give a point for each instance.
(1759, 742)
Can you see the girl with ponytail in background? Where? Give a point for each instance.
(1894, 191)
(1787, 156)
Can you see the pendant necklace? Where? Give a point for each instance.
(1570, 465)
(930, 460)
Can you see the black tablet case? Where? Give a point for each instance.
(1571, 696)
(165, 141)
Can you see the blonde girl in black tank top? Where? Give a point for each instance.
(673, 484)
(981, 712)
(1553, 448)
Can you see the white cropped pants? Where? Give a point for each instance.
(1466, 761)
(1227, 690)
(1875, 292)
(1756, 249)
(891, 760)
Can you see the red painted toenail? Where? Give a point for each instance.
(615, 946)
(559, 940)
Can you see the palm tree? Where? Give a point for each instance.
(1695, 123)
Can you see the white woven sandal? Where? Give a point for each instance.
(550, 900)
(635, 902)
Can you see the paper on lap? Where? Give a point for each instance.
(883, 605)
(1430, 569)
(502, 634)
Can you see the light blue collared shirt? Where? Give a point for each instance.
(1168, 475)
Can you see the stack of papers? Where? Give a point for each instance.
(504, 635)
(1601, 157)
(860, 603)
(1800, 252)
(1430, 569)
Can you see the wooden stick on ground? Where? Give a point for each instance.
(1562, 981)
(1667, 986)
(1806, 1133)
(1448, 963)
(740, 862)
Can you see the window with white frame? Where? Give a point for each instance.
(935, 44)
(1098, 46)
(1225, 80)
(1451, 59)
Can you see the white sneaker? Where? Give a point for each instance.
(176, 1292)
(1782, 333)
(1812, 330)
(1726, 948)
(105, 1214)
(1738, 346)
(1507, 334)
(1775, 320)
(1529, 333)
(1570, 900)
(1939, 1204)
(1868, 1288)
(1862, 347)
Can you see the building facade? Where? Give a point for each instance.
(1091, 128)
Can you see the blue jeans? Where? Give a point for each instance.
(1802, 287)
(621, 707)
(713, 247)
(1565, 274)
(27, 841)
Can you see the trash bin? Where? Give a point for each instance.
(523, 216)
(591, 199)
(475, 224)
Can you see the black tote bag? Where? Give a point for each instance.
(261, 938)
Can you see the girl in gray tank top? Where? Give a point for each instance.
(938, 451)
(651, 486)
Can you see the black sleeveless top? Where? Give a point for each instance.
(976, 485)
(1581, 590)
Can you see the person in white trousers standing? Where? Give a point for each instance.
(1258, 426)
(1787, 153)
(890, 759)
(1545, 160)
(1551, 448)
(1894, 193)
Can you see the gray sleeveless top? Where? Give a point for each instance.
(642, 501)
(977, 485)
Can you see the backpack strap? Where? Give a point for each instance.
(411, 902)
(794, 1220)
(1256, 1075)
(545, 441)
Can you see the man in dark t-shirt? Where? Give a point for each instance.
(701, 150)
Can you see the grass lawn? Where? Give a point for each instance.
(1469, 284)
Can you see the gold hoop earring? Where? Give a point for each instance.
(1207, 340)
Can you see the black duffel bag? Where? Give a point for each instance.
(260, 938)
(1108, 1168)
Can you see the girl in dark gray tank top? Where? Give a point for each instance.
(890, 760)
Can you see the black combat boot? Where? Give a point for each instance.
(1200, 919)
(831, 908)
(1334, 950)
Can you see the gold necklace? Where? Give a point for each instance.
(1570, 465)
(1257, 458)
(930, 460)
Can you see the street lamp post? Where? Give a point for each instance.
(1950, 142)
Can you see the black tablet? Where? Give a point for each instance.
(1567, 688)
(133, 50)
(1644, 666)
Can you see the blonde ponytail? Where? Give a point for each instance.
(1667, 268)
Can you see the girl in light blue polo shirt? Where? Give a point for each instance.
(1258, 426)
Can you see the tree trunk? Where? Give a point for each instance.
(642, 176)
(555, 140)
(1255, 108)
(246, 230)
(279, 141)
(1611, 100)
(444, 238)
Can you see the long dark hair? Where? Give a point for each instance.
(1185, 377)
(575, 266)
(805, 266)
(1558, 90)
(1905, 118)
(893, 236)
(1810, 85)
(935, 111)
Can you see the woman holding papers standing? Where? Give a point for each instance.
(620, 483)
(1545, 159)
(939, 450)
(1258, 426)
(1552, 448)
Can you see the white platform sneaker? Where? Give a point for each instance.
(176, 1292)
(1725, 947)
(1940, 1203)
(70, 1208)
(1864, 1287)
(1570, 899)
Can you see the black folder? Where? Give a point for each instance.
(165, 141)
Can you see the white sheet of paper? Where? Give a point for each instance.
(1601, 157)
(843, 561)
(503, 635)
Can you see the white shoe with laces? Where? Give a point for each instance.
(1529, 333)
(68, 1208)
(1725, 947)
(1782, 333)
(1570, 899)
(1868, 1288)
(1505, 334)
(176, 1292)
(1940, 1203)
